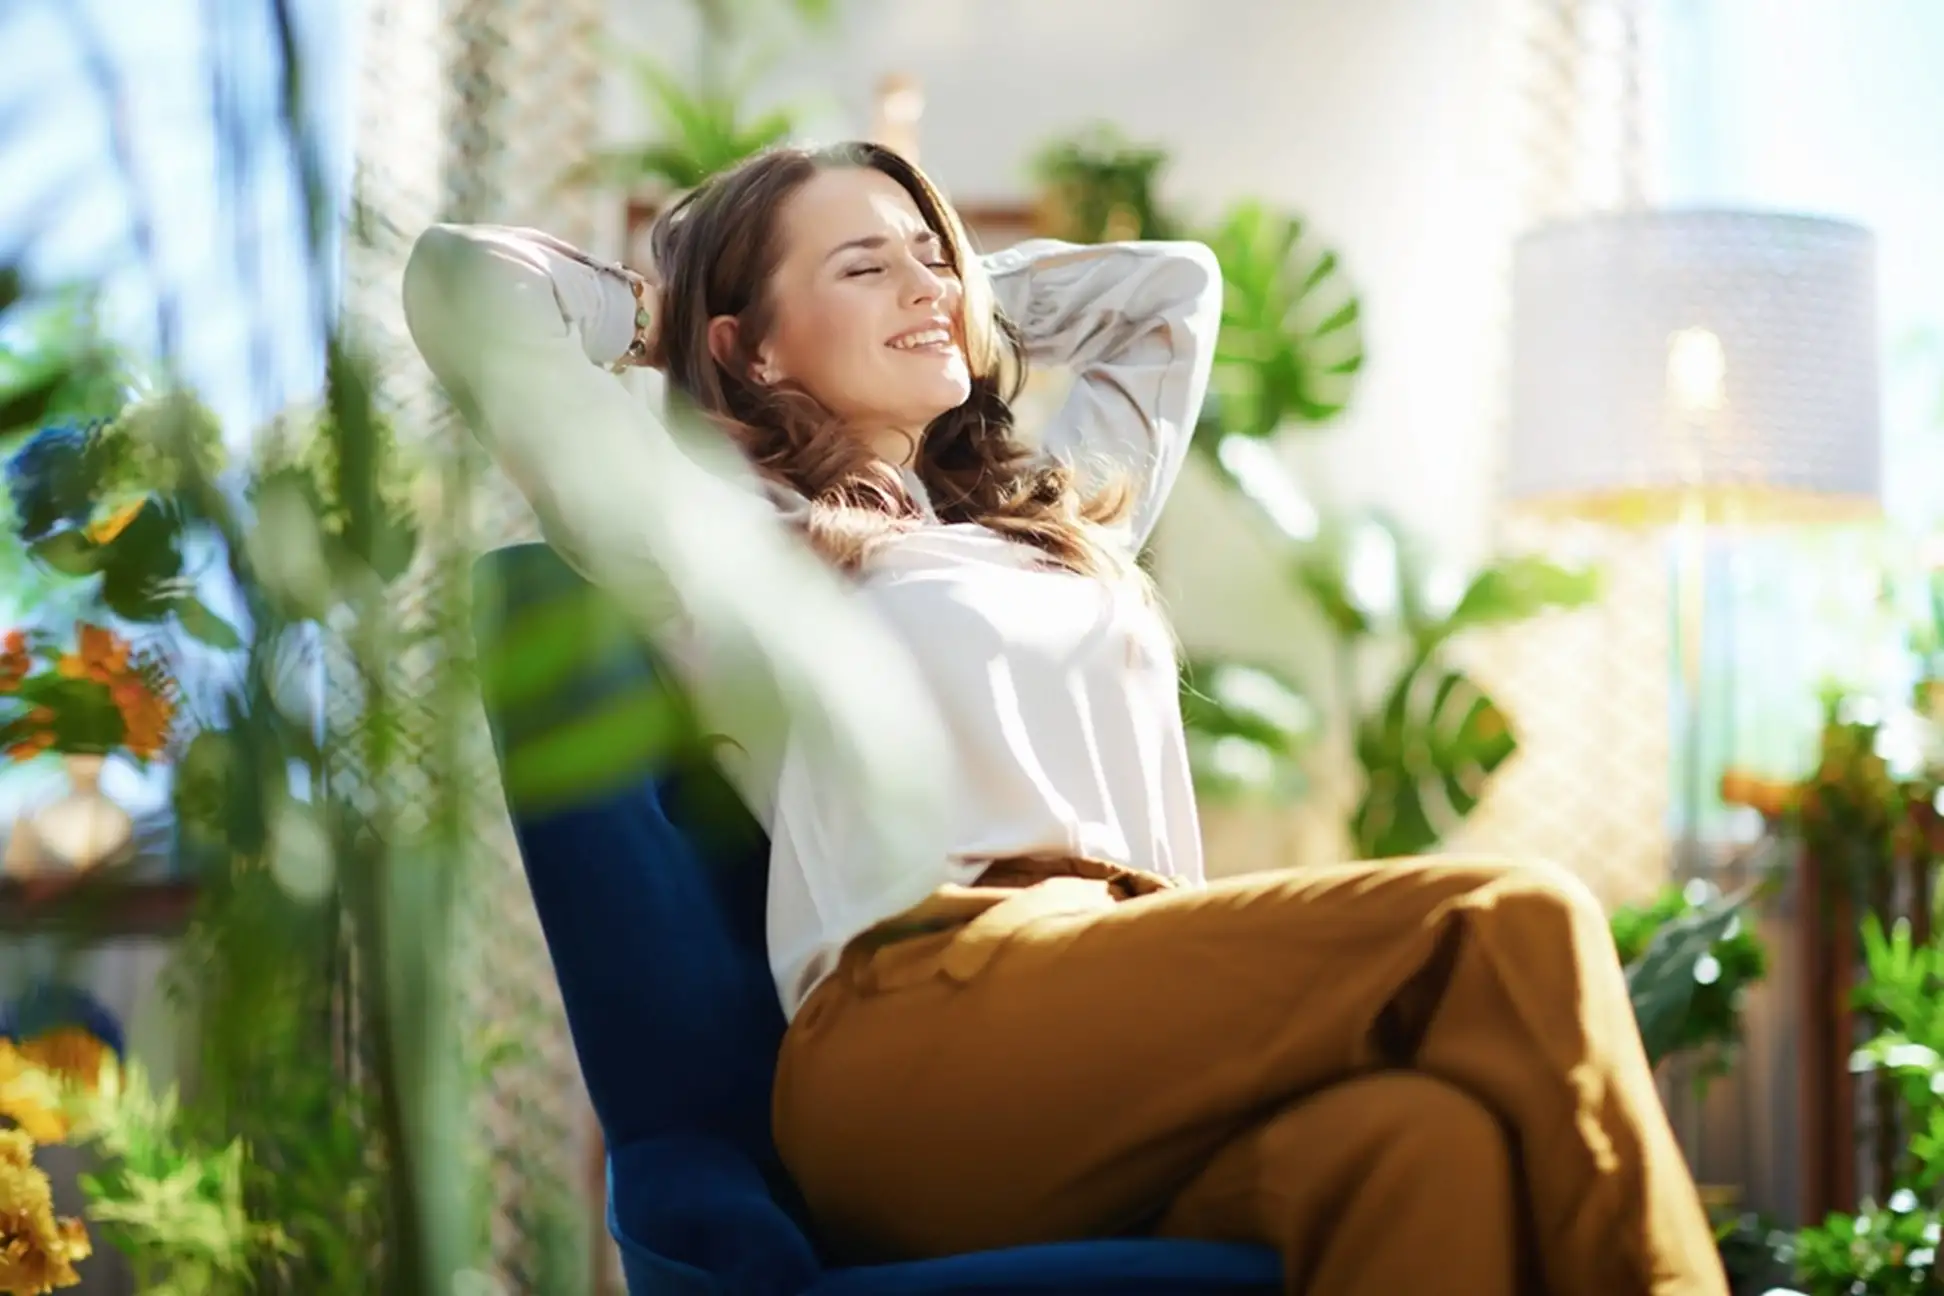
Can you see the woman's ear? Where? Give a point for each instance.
(723, 338)
(724, 343)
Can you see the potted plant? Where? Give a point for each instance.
(84, 696)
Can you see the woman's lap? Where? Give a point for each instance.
(1057, 1067)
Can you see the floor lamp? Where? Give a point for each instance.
(1695, 370)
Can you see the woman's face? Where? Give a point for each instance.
(866, 310)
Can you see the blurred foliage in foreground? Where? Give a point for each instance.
(320, 1140)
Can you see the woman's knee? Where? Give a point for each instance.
(1539, 888)
(1438, 1127)
(1410, 1112)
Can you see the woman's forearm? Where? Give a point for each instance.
(1083, 303)
(533, 284)
(1137, 324)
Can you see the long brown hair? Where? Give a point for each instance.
(718, 249)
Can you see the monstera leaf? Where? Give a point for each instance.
(1291, 343)
(1426, 755)
(1516, 589)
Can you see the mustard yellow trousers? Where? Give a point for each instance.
(1412, 1077)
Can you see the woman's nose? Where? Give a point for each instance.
(923, 285)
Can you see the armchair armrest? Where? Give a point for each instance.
(695, 1211)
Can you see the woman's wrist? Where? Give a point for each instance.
(641, 346)
(640, 352)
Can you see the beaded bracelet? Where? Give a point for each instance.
(636, 356)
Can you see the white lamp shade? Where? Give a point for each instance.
(1665, 362)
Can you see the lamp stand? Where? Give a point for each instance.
(1691, 637)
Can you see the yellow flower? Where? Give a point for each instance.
(37, 1251)
(30, 1098)
(71, 1054)
(115, 523)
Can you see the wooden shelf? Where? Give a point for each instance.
(95, 903)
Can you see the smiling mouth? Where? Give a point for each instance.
(932, 340)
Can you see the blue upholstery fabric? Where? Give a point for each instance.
(649, 882)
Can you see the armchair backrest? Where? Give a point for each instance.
(648, 876)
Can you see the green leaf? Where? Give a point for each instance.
(1248, 726)
(1291, 343)
(205, 626)
(1426, 757)
(637, 730)
(149, 547)
(1321, 572)
(697, 133)
(1103, 186)
(27, 401)
(1662, 984)
(142, 599)
(394, 543)
(68, 551)
(1518, 589)
(815, 13)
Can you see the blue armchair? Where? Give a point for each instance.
(649, 883)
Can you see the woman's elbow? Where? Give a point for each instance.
(434, 270)
(1196, 278)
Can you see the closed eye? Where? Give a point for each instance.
(858, 272)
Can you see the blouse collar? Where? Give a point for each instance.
(915, 487)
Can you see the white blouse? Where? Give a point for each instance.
(1037, 707)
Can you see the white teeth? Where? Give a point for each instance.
(912, 341)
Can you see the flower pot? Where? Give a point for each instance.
(82, 828)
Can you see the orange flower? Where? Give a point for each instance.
(137, 684)
(15, 663)
(31, 746)
(102, 649)
(146, 716)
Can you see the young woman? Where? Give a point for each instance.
(1414, 1076)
